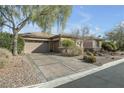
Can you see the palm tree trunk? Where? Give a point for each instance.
(15, 41)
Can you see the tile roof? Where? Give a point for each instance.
(36, 35)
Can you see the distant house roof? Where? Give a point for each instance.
(38, 35)
(43, 35)
(65, 36)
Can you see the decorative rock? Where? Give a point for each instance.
(122, 53)
(112, 58)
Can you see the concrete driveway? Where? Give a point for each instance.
(50, 67)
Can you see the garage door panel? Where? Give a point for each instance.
(36, 47)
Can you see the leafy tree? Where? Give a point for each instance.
(6, 42)
(64, 13)
(1, 23)
(117, 35)
(58, 14)
(16, 17)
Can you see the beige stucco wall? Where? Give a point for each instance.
(36, 47)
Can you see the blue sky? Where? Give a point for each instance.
(100, 19)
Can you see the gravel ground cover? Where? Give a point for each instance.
(18, 73)
(106, 59)
(101, 60)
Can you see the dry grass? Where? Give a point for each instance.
(18, 73)
(5, 53)
(15, 71)
(5, 57)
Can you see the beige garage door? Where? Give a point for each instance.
(36, 47)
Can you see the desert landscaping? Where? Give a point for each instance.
(29, 57)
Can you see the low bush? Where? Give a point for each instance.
(114, 46)
(70, 48)
(6, 41)
(5, 57)
(72, 51)
(68, 43)
(109, 46)
(89, 57)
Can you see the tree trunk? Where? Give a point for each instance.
(15, 41)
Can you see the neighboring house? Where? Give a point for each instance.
(92, 44)
(39, 42)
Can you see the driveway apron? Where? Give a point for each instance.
(51, 66)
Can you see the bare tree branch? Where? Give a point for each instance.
(7, 18)
(22, 24)
(7, 25)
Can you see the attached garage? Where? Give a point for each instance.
(36, 42)
(40, 42)
(36, 47)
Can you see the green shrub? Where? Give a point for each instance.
(20, 44)
(109, 46)
(89, 57)
(70, 48)
(72, 51)
(68, 43)
(6, 41)
(5, 57)
(114, 46)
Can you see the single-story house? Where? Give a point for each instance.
(39, 42)
(92, 44)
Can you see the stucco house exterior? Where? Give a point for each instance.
(39, 42)
(92, 44)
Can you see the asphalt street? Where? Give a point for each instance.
(112, 77)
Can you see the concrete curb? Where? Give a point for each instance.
(72, 77)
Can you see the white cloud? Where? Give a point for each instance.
(73, 25)
(122, 23)
(83, 21)
(85, 17)
(97, 29)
